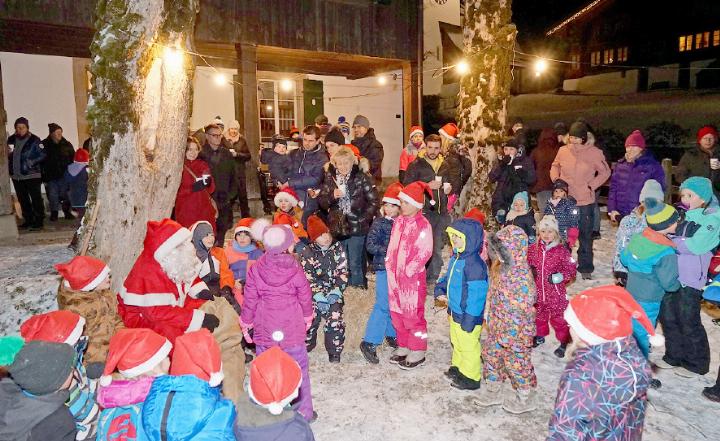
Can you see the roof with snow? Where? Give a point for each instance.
(579, 14)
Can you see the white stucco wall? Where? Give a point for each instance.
(40, 88)
(434, 13)
(381, 104)
(211, 99)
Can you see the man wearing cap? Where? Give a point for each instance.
(60, 153)
(24, 160)
(369, 146)
(322, 123)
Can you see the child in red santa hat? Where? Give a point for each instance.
(289, 212)
(603, 391)
(415, 145)
(409, 249)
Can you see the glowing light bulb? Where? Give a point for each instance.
(286, 85)
(462, 67)
(382, 80)
(220, 79)
(173, 57)
(541, 66)
(268, 108)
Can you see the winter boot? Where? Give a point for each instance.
(685, 373)
(662, 364)
(392, 342)
(521, 401)
(369, 352)
(334, 358)
(537, 341)
(399, 355)
(490, 394)
(464, 383)
(560, 351)
(586, 276)
(712, 393)
(414, 359)
(53, 216)
(452, 373)
(68, 214)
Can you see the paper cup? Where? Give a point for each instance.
(11, 147)
(714, 162)
(446, 186)
(438, 178)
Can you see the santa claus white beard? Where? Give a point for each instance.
(181, 265)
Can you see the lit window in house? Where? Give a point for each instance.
(682, 43)
(622, 54)
(595, 58)
(277, 107)
(688, 42)
(608, 56)
(716, 37)
(575, 61)
(702, 40)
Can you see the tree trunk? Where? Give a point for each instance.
(488, 38)
(138, 112)
(8, 227)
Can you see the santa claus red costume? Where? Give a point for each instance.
(162, 291)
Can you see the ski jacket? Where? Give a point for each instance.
(364, 204)
(326, 270)
(546, 260)
(377, 241)
(652, 266)
(372, 149)
(241, 259)
(565, 212)
(627, 181)
(584, 168)
(510, 176)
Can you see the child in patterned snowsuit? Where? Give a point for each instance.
(565, 211)
(326, 269)
(410, 248)
(464, 286)
(603, 391)
(553, 268)
(510, 324)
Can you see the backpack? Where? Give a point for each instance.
(121, 424)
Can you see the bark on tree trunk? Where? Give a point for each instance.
(8, 227)
(488, 38)
(138, 112)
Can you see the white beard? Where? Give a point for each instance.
(181, 265)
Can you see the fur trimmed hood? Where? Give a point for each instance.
(509, 245)
(363, 164)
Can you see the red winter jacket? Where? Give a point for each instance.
(546, 260)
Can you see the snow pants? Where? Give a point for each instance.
(334, 328)
(379, 324)
(502, 362)
(411, 327)
(686, 342)
(304, 400)
(552, 310)
(652, 309)
(467, 354)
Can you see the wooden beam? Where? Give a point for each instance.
(81, 89)
(247, 71)
(8, 227)
(407, 92)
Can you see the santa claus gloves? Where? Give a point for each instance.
(210, 322)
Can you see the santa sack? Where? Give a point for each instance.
(121, 424)
(711, 293)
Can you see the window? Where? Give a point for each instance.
(575, 61)
(682, 43)
(716, 38)
(622, 54)
(702, 40)
(595, 58)
(688, 42)
(608, 56)
(277, 108)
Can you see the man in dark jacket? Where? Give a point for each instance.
(59, 154)
(306, 170)
(432, 168)
(222, 169)
(26, 154)
(237, 144)
(513, 173)
(369, 146)
(542, 158)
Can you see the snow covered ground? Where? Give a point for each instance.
(358, 401)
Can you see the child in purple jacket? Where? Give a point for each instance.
(278, 303)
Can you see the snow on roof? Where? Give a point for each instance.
(585, 10)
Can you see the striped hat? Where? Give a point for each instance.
(660, 215)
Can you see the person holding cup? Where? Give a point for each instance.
(703, 160)
(629, 176)
(351, 200)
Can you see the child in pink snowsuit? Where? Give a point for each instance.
(410, 248)
(553, 268)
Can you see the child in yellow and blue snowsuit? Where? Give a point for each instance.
(464, 286)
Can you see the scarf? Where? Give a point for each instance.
(248, 249)
(344, 202)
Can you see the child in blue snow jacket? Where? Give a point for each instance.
(464, 286)
(379, 325)
(565, 211)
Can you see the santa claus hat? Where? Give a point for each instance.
(392, 194)
(164, 236)
(316, 227)
(475, 214)
(197, 353)
(287, 194)
(82, 156)
(244, 225)
(274, 380)
(54, 326)
(449, 131)
(416, 130)
(413, 194)
(605, 313)
(83, 273)
(133, 352)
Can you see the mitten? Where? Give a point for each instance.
(210, 322)
(245, 327)
(572, 236)
(205, 294)
(198, 185)
(320, 298)
(308, 322)
(556, 278)
(333, 298)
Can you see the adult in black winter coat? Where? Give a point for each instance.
(237, 144)
(513, 173)
(351, 200)
(369, 146)
(222, 169)
(25, 157)
(460, 167)
(59, 154)
(432, 168)
(306, 172)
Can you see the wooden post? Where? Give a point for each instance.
(407, 91)
(668, 169)
(247, 71)
(8, 226)
(80, 87)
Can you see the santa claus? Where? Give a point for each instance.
(162, 291)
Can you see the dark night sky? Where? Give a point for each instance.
(534, 17)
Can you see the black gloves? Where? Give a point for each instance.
(198, 186)
(205, 294)
(210, 322)
(230, 297)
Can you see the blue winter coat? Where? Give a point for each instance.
(627, 181)
(306, 171)
(566, 213)
(278, 165)
(76, 177)
(31, 156)
(186, 408)
(466, 281)
(377, 241)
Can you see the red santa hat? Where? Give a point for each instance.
(133, 352)
(198, 353)
(475, 214)
(274, 380)
(416, 130)
(605, 313)
(164, 236)
(83, 273)
(413, 194)
(316, 227)
(82, 155)
(286, 194)
(244, 225)
(392, 194)
(54, 326)
(449, 131)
